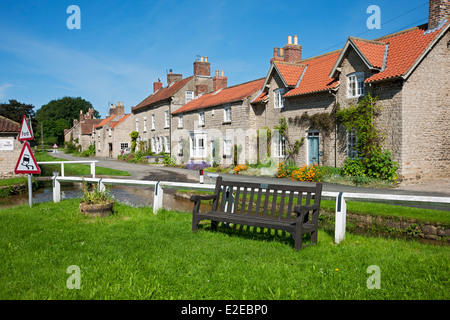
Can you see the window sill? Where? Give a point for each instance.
(226, 122)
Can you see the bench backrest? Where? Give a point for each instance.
(276, 201)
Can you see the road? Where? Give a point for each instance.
(160, 173)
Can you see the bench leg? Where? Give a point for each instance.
(213, 225)
(314, 236)
(194, 223)
(298, 236)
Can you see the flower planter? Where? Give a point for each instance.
(96, 210)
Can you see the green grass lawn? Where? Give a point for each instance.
(135, 254)
(73, 169)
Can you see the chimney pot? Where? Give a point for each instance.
(289, 39)
(217, 73)
(222, 73)
(206, 59)
(296, 40)
(201, 59)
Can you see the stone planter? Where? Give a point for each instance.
(96, 210)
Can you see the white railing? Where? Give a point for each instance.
(341, 206)
(92, 162)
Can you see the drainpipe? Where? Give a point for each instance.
(335, 127)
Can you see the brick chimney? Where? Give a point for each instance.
(292, 51)
(118, 109)
(438, 10)
(173, 77)
(202, 67)
(157, 85)
(278, 55)
(219, 81)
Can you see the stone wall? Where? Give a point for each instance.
(426, 117)
(9, 158)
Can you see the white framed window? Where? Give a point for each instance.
(98, 133)
(180, 121)
(278, 98)
(109, 132)
(227, 146)
(123, 145)
(280, 146)
(355, 85)
(227, 114)
(158, 145)
(137, 125)
(167, 147)
(352, 151)
(153, 122)
(201, 118)
(153, 144)
(189, 96)
(180, 147)
(145, 124)
(198, 145)
(166, 119)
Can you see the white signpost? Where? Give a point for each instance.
(26, 162)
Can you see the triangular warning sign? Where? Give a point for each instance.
(25, 131)
(27, 163)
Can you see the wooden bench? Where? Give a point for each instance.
(289, 209)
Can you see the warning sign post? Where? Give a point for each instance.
(25, 131)
(27, 164)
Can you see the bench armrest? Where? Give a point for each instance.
(195, 197)
(303, 210)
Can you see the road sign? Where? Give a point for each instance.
(25, 131)
(27, 163)
(55, 146)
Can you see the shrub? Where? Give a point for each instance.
(310, 173)
(197, 166)
(239, 168)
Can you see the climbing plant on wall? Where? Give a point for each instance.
(373, 160)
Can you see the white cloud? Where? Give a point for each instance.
(3, 88)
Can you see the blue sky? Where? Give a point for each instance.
(124, 46)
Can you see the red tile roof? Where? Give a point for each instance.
(404, 50)
(226, 95)
(105, 121)
(116, 123)
(7, 125)
(162, 94)
(88, 125)
(290, 71)
(373, 51)
(316, 76)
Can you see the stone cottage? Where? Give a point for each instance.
(207, 128)
(152, 116)
(10, 147)
(408, 72)
(81, 132)
(112, 134)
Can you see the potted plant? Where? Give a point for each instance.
(97, 203)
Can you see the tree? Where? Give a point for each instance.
(15, 111)
(58, 115)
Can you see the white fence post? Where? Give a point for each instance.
(93, 169)
(340, 219)
(101, 185)
(56, 189)
(157, 197)
(62, 169)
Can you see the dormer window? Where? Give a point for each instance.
(355, 85)
(278, 98)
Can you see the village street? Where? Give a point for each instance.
(159, 173)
